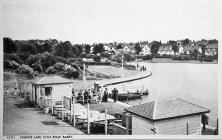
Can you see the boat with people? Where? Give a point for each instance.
(132, 94)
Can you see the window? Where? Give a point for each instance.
(48, 91)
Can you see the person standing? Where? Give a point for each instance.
(7, 92)
(105, 95)
(115, 94)
(15, 92)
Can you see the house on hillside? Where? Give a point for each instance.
(146, 50)
(107, 48)
(188, 50)
(126, 48)
(167, 117)
(50, 88)
(166, 50)
(211, 49)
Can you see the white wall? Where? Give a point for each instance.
(61, 90)
(178, 126)
(141, 126)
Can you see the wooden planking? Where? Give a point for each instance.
(178, 126)
(141, 126)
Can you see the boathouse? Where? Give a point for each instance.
(50, 88)
(167, 117)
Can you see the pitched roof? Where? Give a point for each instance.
(190, 48)
(212, 46)
(158, 110)
(49, 80)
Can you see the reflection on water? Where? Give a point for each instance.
(193, 82)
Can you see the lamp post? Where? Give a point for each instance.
(84, 68)
(122, 65)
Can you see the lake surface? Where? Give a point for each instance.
(196, 83)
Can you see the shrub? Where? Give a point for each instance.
(97, 58)
(25, 69)
(10, 64)
(147, 57)
(59, 66)
(105, 54)
(181, 57)
(60, 59)
(13, 57)
(51, 70)
(72, 73)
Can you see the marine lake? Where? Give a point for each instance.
(196, 83)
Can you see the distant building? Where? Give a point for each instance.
(211, 49)
(146, 50)
(166, 50)
(188, 50)
(167, 117)
(126, 49)
(48, 88)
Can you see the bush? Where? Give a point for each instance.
(10, 64)
(129, 57)
(163, 56)
(13, 57)
(97, 58)
(72, 73)
(181, 57)
(105, 54)
(25, 69)
(51, 70)
(147, 57)
(59, 66)
(60, 59)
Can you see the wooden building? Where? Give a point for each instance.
(48, 88)
(167, 117)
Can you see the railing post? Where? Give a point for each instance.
(105, 122)
(88, 123)
(73, 108)
(187, 131)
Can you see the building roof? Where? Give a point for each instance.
(191, 48)
(212, 46)
(49, 80)
(158, 110)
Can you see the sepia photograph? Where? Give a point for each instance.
(97, 68)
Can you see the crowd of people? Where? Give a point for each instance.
(96, 96)
(141, 68)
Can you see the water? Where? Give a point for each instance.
(192, 82)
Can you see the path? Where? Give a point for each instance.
(115, 81)
(19, 119)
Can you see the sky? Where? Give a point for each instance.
(93, 21)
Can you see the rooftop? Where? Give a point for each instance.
(49, 80)
(158, 110)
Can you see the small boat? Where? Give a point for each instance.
(129, 96)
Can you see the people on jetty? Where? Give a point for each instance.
(15, 92)
(80, 97)
(7, 92)
(105, 95)
(115, 94)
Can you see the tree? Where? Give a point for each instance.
(119, 46)
(155, 47)
(203, 47)
(76, 51)
(64, 49)
(9, 45)
(137, 48)
(186, 41)
(87, 48)
(172, 42)
(175, 48)
(98, 48)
